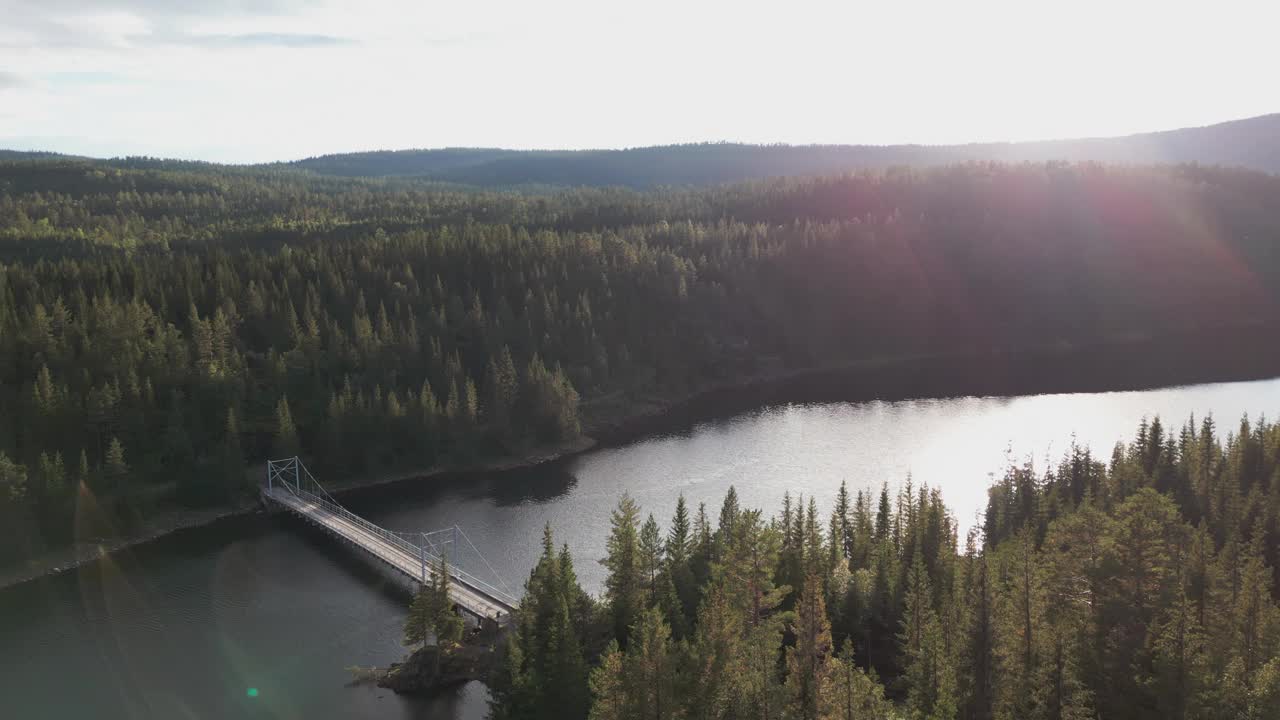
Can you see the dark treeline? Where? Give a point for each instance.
(1141, 586)
(1247, 143)
(163, 325)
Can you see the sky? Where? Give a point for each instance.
(256, 81)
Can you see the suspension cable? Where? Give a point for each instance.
(407, 537)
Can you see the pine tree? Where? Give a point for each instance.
(929, 670)
(679, 549)
(716, 652)
(728, 517)
(1180, 663)
(882, 617)
(678, 538)
(83, 473)
(976, 674)
(651, 667)
(286, 435)
(13, 480)
(746, 568)
(610, 700)
(1078, 552)
(432, 613)
(809, 671)
(544, 675)
(854, 695)
(1147, 536)
(1257, 619)
(650, 560)
(419, 623)
(883, 515)
(624, 587)
(444, 622)
(115, 469)
(501, 386)
(1019, 624)
(1061, 693)
(841, 526)
(863, 532)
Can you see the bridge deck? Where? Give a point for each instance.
(468, 597)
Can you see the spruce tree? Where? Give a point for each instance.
(928, 667)
(115, 469)
(544, 675)
(286, 434)
(1019, 625)
(418, 624)
(809, 667)
(651, 669)
(650, 560)
(624, 587)
(609, 691)
(854, 695)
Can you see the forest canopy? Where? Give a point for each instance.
(165, 325)
(1139, 585)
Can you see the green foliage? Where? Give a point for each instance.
(544, 672)
(1082, 608)
(626, 587)
(13, 481)
(431, 615)
(928, 667)
(286, 435)
(853, 694)
(410, 324)
(640, 683)
(810, 667)
(417, 624)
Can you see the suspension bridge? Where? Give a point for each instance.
(414, 554)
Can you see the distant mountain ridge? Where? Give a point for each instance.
(32, 155)
(1252, 143)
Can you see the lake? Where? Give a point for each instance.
(259, 616)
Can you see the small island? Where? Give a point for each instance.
(448, 653)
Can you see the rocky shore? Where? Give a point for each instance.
(428, 671)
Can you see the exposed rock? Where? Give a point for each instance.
(427, 671)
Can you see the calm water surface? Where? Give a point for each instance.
(259, 616)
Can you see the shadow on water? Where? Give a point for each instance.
(542, 483)
(537, 484)
(354, 563)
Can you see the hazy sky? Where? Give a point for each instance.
(245, 80)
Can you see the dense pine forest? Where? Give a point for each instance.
(1139, 586)
(164, 326)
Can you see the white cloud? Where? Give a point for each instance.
(244, 81)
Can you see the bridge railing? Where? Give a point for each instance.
(396, 539)
(360, 522)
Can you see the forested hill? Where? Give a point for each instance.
(162, 325)
(1253, 143)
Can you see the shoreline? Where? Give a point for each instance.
(1131, 365)
(66, 559)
